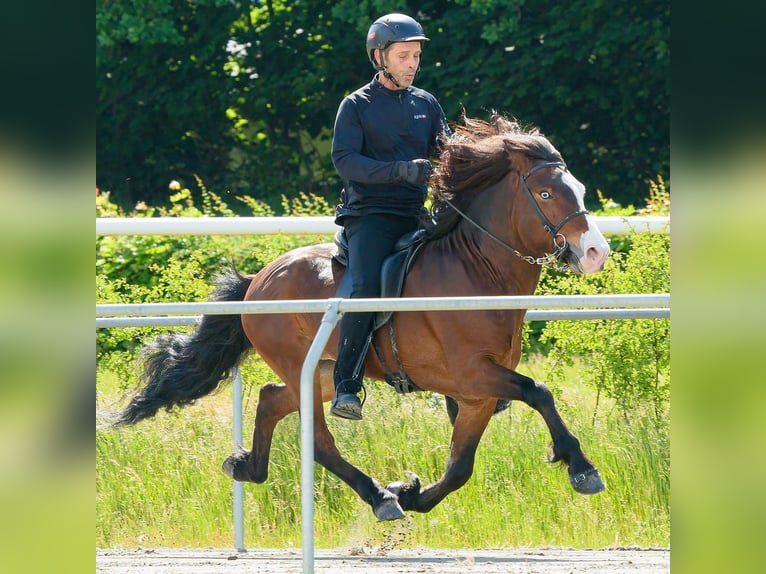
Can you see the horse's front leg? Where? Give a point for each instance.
(583, 475)
(469, 425)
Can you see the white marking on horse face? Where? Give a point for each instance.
(593, 248)
(577, 188)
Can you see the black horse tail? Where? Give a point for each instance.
(179, 369)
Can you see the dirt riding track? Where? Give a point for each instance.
(358, 560)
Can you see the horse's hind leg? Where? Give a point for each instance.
(275, 402)
(383, 502)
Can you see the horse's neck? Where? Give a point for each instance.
(495, 258)
(491, 267)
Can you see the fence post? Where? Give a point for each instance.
(329, 319)
(239, 512)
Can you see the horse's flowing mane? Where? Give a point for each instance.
(475, 157)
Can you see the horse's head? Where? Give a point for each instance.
(531, 204)
(554, 197)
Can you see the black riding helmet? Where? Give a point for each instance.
(389, 29)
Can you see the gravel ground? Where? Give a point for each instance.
(370, 560)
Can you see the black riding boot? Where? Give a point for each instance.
(349, 366)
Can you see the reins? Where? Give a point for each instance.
(559, 241)
(549, 259)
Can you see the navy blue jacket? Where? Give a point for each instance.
(376, 127)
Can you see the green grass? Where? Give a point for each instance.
(159, 483)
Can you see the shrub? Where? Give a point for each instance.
(627, 360)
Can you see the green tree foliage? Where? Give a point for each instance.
(139, 259)
(244, 94)
(154, 268)
(593, 75)
(161, 94)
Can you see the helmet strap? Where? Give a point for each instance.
(391, 78)
(385, 71)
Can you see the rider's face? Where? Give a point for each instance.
(402, 60)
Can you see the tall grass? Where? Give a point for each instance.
(160, 484)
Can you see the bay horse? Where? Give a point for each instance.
(497, 190)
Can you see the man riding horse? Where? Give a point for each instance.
(384, 134)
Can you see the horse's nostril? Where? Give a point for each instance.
(596, 255)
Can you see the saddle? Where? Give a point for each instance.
(392, 276)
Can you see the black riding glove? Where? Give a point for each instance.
(416, 171)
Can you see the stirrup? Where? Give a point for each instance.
(346, 406)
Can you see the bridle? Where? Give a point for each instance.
(560, 245)
(549, 227)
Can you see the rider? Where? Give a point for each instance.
(383, 136)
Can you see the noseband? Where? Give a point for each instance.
(560, 244)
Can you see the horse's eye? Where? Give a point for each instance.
(545, 195)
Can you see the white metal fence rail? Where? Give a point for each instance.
(172, 314)
(609, 225)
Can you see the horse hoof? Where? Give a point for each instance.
(228, 467)
(232, 461)
(389, 509)
(588, 482)
(395, 487)
(406, 492)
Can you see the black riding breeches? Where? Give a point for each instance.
(371, 238)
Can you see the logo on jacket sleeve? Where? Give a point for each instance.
(420, 116)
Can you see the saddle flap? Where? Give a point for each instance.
(392, 273)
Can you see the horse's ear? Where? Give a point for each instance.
(497, 122)
(505, 126)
